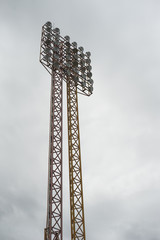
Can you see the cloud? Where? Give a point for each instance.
(119, 123)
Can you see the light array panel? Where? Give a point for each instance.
(58, 55)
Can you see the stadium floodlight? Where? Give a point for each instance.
(90, 81)
(48, 51)
(75, 71)
(89, 74)
(68, 64)
(56, 30)
(55, 49)
(48, 42)
(48, 35)
(74, 44)
(91, 89)
(81, 49)
(75, 64)
(75, 56)
(56, 64)
(57, 36)
(68, 57)
(49, 24)
(83, 84)
(88, 61)
(68, 72)
(76, 79)
(89, 68)
(88, 54)
(67, 38)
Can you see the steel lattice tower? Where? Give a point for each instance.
(64, 61)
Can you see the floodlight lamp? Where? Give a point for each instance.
(67, 44)
(56, 43)
(68, 51)
(49, 24)
(83, 76)
(89, 68)
(56, 64)
(57, 36)
(81, 49)
(83, 69)
(48, 51)
(68, 72)
(50, 60)
(82, 62)
(47, 42)
(56, 56)
(55, 49)
(91, 89)
(56, 30)
(88, 61)
(75, 64)
(68, 57)
(81, 55)
(74, 44)
(75, 70)
(88, 54)
(76, 79)
(68, 64)
(75, 50)
(46, 57)
(83, 84)
(67, 38)
(75, 56)
(48, 29)
(91, 81)
(48, 35)
(89, 74)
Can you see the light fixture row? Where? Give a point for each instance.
(59, 55)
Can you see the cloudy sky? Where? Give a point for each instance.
(119, 123)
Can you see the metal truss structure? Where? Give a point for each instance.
(75, 170)
(64, 61)
(54, 212)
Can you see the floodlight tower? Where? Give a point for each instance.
(64, 61)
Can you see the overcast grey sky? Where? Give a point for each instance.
(119, 123)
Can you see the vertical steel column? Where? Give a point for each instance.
(53, 229)
(75, 171)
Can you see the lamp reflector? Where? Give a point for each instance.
(88, 54)
(83, 84)
(81, 49)
(88, 61)
(67, 38)
(49, 24)
(90, 89)
(89, 74)
(75, 64)
(89, 68)
(74, 44)
(76, 79)
(56, 30)
(75, 50)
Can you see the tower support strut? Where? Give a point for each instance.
(75, 169)
(53, 229)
